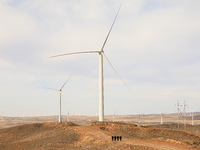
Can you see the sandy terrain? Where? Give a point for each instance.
(169, 120)
(97, 135)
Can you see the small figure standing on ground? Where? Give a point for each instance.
(115, 138)
(120, 137)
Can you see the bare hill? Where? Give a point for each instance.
(97, 135)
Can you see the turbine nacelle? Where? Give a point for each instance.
(101, 50)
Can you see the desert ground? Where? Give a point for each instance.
(142, 132)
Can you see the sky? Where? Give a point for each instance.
(154, 46)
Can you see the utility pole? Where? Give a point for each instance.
(184, 115)
(178, 113)
(139, 117)
(192, 118)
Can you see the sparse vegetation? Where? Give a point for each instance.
(96, 135)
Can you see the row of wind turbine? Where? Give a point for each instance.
(101, 56)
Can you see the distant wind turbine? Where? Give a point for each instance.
(101, 55)
(68, 116)
(2, 119)
(114, 116)
(161, 118)
(60, 91)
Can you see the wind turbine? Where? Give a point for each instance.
(161, 118)
(68, 116)
(101, 55)
(60, 91)
(2, 118)
(114, 116)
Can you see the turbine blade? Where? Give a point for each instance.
(75, 53)
(111, 28)
(52, 89)
(115, 71)
(65, 82)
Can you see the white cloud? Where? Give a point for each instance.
(153, 46)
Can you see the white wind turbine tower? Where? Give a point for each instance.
(68, 116)
(114, 116)
(161, 118)
(60, 91)
(2, 118)
(101, 55)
